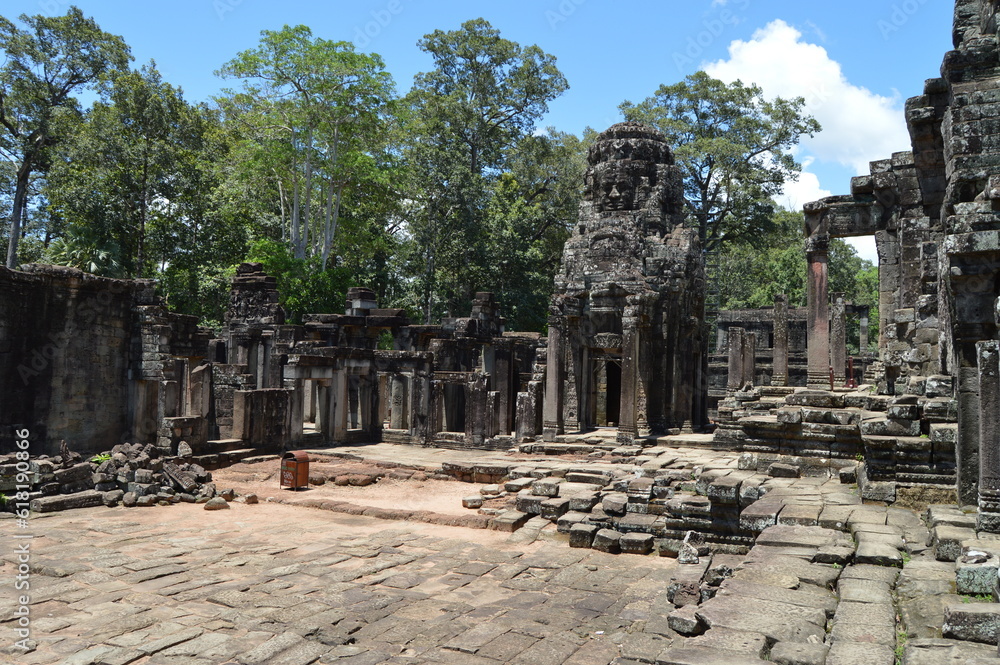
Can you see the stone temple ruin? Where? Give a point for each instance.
(777, 468)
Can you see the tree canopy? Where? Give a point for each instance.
(47, 62)
(734, 146)
(313, 164)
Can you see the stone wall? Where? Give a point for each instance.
(65, 348)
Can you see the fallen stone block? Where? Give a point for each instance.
(947, 541)
(510, 521)
(779, 470)
(760, 515)
(636, 543)
(607, 540)
(685, 621)
(972, 622)
(472, 502)
(546, 487)
(49, 504)
(976, 572)
(582, 535)
(553, 509)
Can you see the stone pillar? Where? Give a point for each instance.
(749, 358)
(818, 324)
(779, 376)
(476, 410)
(863, 343)
(838, 339)
(553, 411)
(341, 404)
(573, 398)
(736, 338)
(397, 402)
(504, 382)
(630, 354)
(988, 355)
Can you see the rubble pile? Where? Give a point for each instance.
(130, 474)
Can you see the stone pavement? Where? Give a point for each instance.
(287, 586)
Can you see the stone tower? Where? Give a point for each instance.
(626, 321)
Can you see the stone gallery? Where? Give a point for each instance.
(821, 507)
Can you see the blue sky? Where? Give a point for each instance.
(854, 61)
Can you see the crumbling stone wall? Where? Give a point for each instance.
(65, 345)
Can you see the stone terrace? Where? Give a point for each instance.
(829, 580)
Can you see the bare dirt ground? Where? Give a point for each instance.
(439, 496)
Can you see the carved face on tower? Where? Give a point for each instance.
(626, 169)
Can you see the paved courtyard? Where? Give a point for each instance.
(287, 585)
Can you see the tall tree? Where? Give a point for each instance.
(734, 147)
(318, 110)
(127, 168)
(46, 64)
(469, 113)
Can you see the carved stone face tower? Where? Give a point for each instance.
(625, 331)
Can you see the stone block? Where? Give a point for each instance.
(976, 572)
(636, 543)
(607, 540)
(547, 487)
(582, 535)
(947, 541)
(553, 509)
(510, 520)
(614, 504)
(473, 502)
(584, 501)
(760, 515)
(794, 653)
(529, 503)
(972, 622)
(779, 470)
(518, 484)
(85, 499)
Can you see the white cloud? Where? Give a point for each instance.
(802, 191)
(859, 126)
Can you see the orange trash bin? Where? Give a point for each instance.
(295, 470)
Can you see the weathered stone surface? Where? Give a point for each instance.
(972, 622)
(216, 503)
(794, 653)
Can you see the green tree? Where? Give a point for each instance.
(127, 172)
(734, 147)
(46, 64)
(751, 275)
(318, 113)
(469, 114)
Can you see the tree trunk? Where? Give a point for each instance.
(304, 240)
(20, 199)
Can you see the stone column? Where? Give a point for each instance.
(397, 402)
(630, 354)
(749, 358)
(779, 376)
(553, 418)
(476, 410)
(735, 381)
(863, 344)
(341, 406)
(838, 339)
(818, 325)
(988, 355)
(573, 398)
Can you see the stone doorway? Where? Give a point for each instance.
(607, 394)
